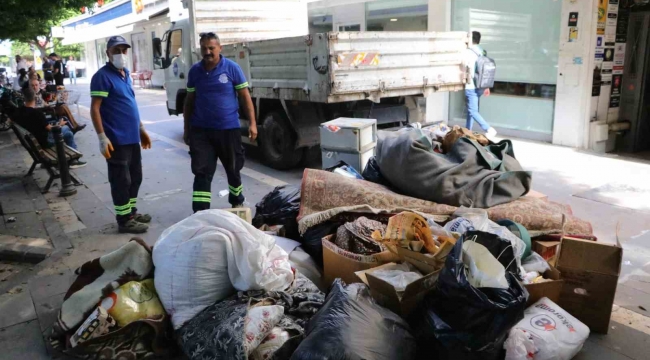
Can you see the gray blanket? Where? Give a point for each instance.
(469, 175)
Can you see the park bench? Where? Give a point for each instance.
(47, 157)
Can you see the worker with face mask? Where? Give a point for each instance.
(116, 118)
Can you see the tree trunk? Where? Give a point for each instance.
(42, 49)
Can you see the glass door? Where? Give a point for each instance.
(139, 52)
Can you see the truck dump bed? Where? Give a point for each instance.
(347, 66)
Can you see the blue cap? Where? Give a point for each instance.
(116, 40)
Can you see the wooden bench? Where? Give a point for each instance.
(47, 157)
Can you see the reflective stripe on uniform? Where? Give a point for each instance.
(99, 93)
(123, 209)
(189, 90)
(200, 199)
(236, 190)
(241, 86)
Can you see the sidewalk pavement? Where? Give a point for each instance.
(81, 227)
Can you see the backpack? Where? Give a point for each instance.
(484, 71)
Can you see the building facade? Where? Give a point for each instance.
(560, 63)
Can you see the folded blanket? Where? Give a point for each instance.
(468, 175)
(98, 278)
(324, 194)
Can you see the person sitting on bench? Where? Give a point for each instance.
(34, 121)
(60, 110)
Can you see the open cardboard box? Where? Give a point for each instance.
(549, 289)
(386, 295)
(590, 271)
(339, 263)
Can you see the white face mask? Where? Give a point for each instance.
(119, 61)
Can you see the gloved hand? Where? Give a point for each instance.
(145, 141)
(105, 145)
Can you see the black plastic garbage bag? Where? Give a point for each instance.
(458, 321)
(373, 174)
(280, 207)
(351, 326)
(312, 239)
(499, 247)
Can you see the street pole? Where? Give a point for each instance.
(67, 189)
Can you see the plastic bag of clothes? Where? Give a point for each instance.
(459, 321)
(555, 333)
(350, 325)
(209, 255)
(134, 301)
(280, 207)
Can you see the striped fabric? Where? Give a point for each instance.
(236, 190)
(123, 209)
(241, 86)
(190, 90)
(99, 93)
(201, 196)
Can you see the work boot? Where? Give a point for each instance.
(238, 206)
(133, 227)
(142, 218)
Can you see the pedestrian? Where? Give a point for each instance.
(57, 69)
(116, 118)
(20, 64)
(47, 70)
(472, 94)
(215, 88)
(71, 66)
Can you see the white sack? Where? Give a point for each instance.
(557, 335)
(484, 270)
(208, 256)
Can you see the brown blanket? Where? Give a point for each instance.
(323, 191)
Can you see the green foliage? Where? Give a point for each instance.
(22, 49)
(64, 51)
(4, 60)
(24, 20)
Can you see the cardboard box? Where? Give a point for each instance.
(386, 295)
(547, 249)
(339, 263)
(549, 289)
(590, 271)
(426, 264)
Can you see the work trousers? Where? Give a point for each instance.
(206, 146)
(125, 176)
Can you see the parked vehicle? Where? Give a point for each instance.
(299, 81)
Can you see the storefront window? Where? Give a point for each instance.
(157, 51)
(522, 36)
(139, 52)
(101, 53)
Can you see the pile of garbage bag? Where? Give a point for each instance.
(427, 254)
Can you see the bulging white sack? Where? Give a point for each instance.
(208, 256)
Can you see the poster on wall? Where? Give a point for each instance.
(607, 68)
(616, 84)
(611, 19)
(610, 39)
(619, 54)
(609, 54)
(621, 25)
(614, 102)
(613, 6)
(602, 17)
(597, 76)
(600, 42)
(574, 34)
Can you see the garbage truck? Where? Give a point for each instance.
(299, 80)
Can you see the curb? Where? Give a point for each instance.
(24, 253)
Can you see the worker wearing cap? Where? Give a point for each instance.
(116, 118)
(215, 87)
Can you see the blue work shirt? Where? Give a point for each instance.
(119, 110)
(215, 104)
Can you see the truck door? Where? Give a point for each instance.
(177, 67)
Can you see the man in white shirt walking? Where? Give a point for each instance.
(472, 94)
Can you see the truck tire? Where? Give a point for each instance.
(278, 142)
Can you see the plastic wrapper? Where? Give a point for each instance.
(372, 173)
(500, 248)
(350, 325)
(556, 334)
(400, 276)
(520, 345)
(406, 227)
(133, 301)
(459, 321)
(280, 207)
(346, 170)
(535, 262)
(484, 270)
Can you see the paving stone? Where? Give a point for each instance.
(96, 218)
(58, 238)
(16, 308)
(27, 224)
(47, 310)
(593, 351)
(43, 287)
(23, 341)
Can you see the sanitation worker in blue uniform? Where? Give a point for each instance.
(116, 118)
(215, 88)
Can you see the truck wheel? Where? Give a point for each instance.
(278, 143)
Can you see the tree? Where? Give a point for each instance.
(28, 21)
(23, 49)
